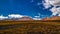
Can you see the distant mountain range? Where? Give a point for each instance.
(36, 18)
(52, 18)
(22, 18)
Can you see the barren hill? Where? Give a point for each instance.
(52, 18)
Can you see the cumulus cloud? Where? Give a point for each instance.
(59, 15)
(3, 17)
(53, 2)
(11, 16)
(20, 16)
(54, 9)
(47, 5)
(15, 16)
(37, 18)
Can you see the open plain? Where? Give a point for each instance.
(29, 27)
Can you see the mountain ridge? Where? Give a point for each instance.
(52, 18)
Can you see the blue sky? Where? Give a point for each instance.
(23, 7)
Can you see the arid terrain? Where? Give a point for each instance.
(30, 27)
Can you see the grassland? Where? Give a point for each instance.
(29, 27)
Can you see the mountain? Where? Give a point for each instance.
(52, 18)
(25, 18)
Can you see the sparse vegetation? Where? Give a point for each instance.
(29, 27)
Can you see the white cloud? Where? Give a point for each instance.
(11, 16)
(3, 17)
(15, 16)
(59, 15)
(18, 16)
(52, 2)
(37, 18)
(55, 10)
(55, 3)
(46, 5)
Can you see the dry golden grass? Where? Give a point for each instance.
(29, 27)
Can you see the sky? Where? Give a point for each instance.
(23, 7)
(41, 8)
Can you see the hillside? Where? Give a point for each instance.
(52, 18)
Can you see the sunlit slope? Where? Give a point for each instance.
(52, 18)
(28, 27)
